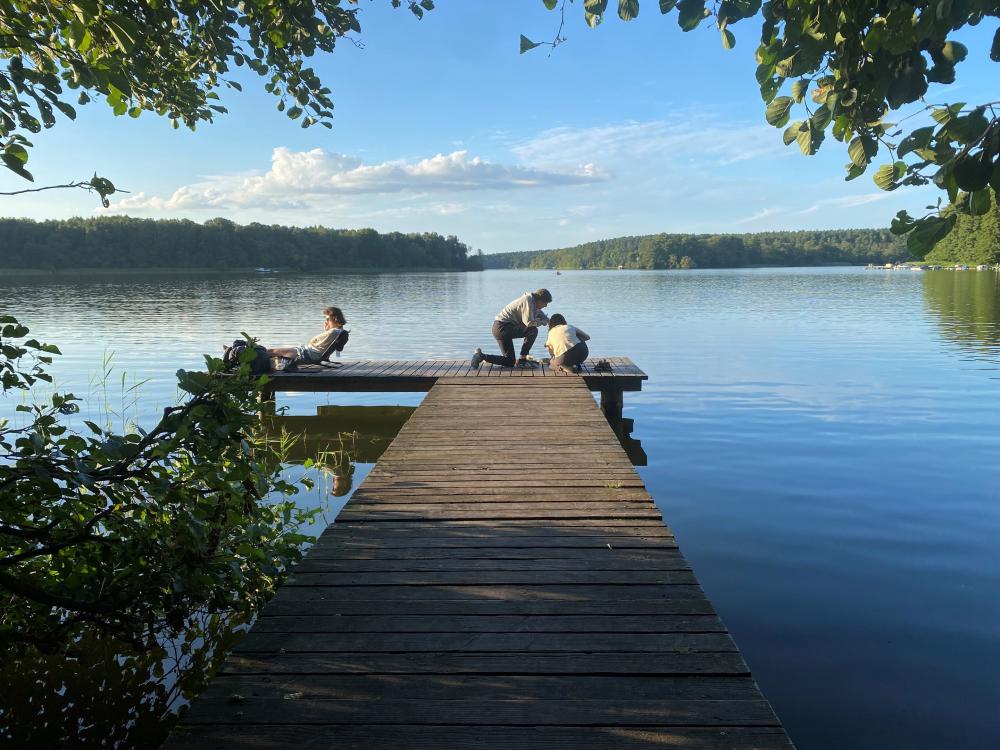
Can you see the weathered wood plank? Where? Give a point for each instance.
(622, 606)
(490, 624)
(410, 737)
(464, 577)
(615, 643)
(513, 593)
(215, 707)
(605, 560)
(660, 664)
(321, 687)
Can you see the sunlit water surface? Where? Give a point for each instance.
(824, 442)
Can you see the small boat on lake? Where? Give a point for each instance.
(264, 270)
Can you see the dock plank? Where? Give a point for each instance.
(467, 596)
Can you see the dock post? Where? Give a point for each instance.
(267, 404)
(612, 402)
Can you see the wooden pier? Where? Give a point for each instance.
(500, 580)
(422, 374)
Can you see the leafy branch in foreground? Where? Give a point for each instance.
(845, 65)
(138, 536)
(169, 57)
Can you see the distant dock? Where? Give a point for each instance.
(500, 580)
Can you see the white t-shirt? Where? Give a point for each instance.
(563, 338)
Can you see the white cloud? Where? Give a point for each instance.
(696, 138)
(847, 201)
(297, 179)
(762, 214)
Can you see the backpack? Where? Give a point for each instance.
(259, 365)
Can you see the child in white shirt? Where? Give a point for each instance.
(566, 344)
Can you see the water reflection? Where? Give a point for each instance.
(966, 306)
(337, 438)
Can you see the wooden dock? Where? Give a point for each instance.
(500, 580)
(422, 374)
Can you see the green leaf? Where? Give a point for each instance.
(971, 173)
(770, 88)
(901, 224)
(853, 172)
(994, 48)
(551, 4)
(810, 138)
(995, 178)
(593, 20)
(690, 13)
(667, 5)
(777, 111)
(919, 138)
(597, 7)
(887, 175)
(17, 152)
(927, 233)
(799, 89)
(792, 132)
(804, 139)
(954, 52)
(295, 112)
(979, 202)
(861, 150)
(728, 39)
(821, 118)
(526, 43)
(628, 9)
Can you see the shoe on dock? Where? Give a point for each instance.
(526, 364)
(477, 359)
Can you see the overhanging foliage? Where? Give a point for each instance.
(842, 67)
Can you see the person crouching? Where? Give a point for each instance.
(567, 344)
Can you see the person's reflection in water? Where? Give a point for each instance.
(343, 480)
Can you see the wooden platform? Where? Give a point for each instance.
(422, 374)
(501, 579)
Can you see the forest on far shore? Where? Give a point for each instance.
(123, 243)
(802, 248)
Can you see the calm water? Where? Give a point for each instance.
(824, 442)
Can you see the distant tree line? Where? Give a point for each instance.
(805, 248)
(974, 240)
(126, 243)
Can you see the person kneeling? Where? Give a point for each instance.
(566, 344)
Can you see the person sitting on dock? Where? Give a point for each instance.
(518, 320)
(567, 344)
(319, 345)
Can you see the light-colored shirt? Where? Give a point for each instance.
(522, 311)
(319, 343)
(563, 338)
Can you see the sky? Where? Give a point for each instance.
(441, 126)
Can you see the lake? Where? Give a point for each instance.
(824, 442)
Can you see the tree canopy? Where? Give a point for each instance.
(844, 67)
(120, 242)
(169, 57)
(662, 251)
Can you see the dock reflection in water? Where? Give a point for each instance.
(338, 438)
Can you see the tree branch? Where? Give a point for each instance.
(82, 185)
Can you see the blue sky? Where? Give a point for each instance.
(441, 126)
